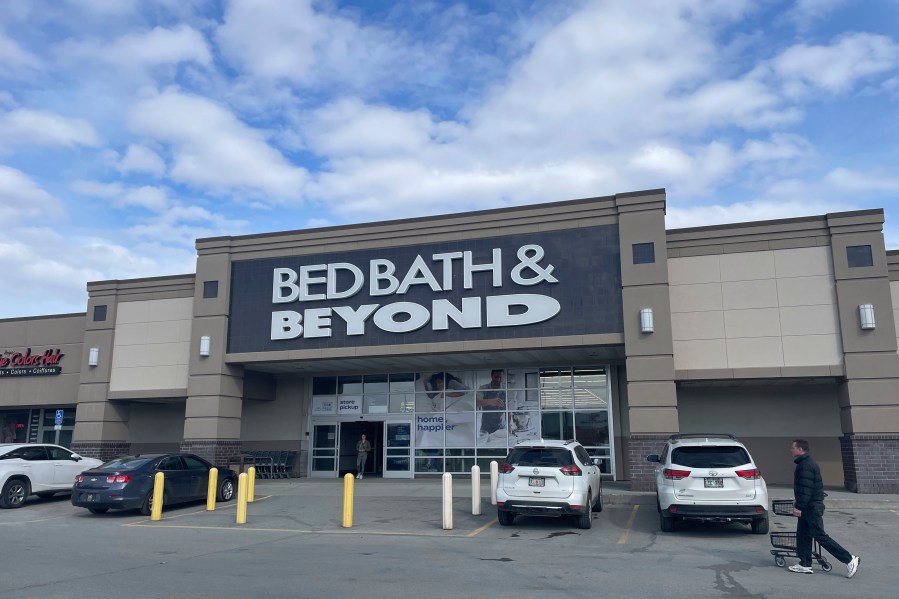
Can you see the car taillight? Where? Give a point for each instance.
(79, 478)
(673, 474)
(572, 470)
(753, 474)
(118, 478)
(506, 467)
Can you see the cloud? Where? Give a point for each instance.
(679, 217)
(151, 198)
(16, 61)
(139, 51)
(212, 149)
(856, 181)
(839, 66)
(141, 159)
(21, 198)
(806, 12)
(291, 41)
(24, 126)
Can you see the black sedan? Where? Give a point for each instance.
(127, 482)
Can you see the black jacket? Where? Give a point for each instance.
(808, 487)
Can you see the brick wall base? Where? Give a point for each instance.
(101, 450)
(216, 451)
(643, 473)
(869, 463)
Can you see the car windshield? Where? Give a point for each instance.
(540, 456)
(127, 463)
(710, 456)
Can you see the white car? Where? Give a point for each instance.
(549, 478)
(38, 468)
(709, 477)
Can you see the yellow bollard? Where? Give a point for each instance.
(242, 498)
(213, 488)
(348, 482)
(251, 486)
(158, 484)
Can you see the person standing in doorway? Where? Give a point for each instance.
(808, 506)
(362, 449)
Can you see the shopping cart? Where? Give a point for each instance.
(784, 543)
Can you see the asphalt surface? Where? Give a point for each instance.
(294, 544)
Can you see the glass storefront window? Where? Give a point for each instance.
(402, 402)
(590, 377)
(555, 378)
(557, 425)
(14, 426)
(590, 398)
(592, 428)
(375, 404)
(556, 398)
(375, 383)
(402, 382)
(349, 385)
(324, 385)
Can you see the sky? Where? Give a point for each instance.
(131, 128)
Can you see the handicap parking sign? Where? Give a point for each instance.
(59, 417)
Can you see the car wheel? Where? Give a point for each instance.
(15, 492)
(147, 508)
(666, 524)
(505, 518)
(597, 506)
(226, 490)
(585, 520)
(98, 510)
(760, 526)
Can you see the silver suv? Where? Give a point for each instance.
(709, 477)
(549, 478)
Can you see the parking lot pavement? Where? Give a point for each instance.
(293, 545)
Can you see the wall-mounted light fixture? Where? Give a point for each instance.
(646, 325)
(204, 345)
(93, 357)
(866, 316)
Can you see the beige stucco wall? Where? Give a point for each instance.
(760, 309)
(766, 418)
(279, 420)
(152, 345)
(156, 423)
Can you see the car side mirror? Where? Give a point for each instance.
(76, 457)
(653, 457)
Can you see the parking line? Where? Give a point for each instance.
(627, 528)
(300, 531)
(203, 511)
(481, 529)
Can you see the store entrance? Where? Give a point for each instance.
(350, 433)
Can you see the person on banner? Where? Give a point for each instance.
(808, 507)
(362, 449)
(491, 401)
(447, 392)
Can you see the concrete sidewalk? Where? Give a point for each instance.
(613, 493)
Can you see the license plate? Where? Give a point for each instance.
(536, 481)
(91, 497)
(714, 483)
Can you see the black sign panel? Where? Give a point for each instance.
(31, 371)
(533, 285)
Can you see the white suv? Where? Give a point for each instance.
(549, 478)
(709, 477)
(38, 468)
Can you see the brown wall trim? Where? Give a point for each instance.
(789, 233)
(790, 372)
(161, 395)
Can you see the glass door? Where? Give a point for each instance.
(398, 449)
(324, 450)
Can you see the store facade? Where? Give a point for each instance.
(445, 340)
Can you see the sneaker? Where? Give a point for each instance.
(852, 566)
(800, 569)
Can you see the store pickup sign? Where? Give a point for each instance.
(19, 363)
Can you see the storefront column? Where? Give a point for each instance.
(651, 393)
(212, 415)
(101, 426)
(869, 395)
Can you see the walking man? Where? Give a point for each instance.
(808, 507)
(362, 449)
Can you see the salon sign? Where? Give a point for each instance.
(18, 363)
